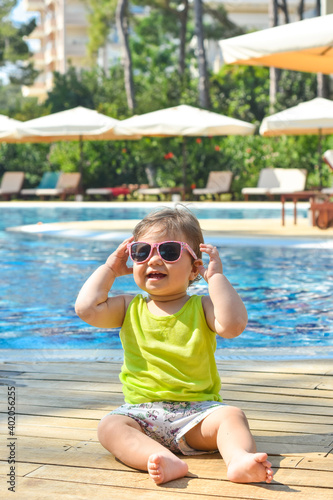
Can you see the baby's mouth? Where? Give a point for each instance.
(155, 275)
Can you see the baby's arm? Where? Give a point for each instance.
(93, 304)
(224, 309)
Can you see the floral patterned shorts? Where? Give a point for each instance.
(167, 422)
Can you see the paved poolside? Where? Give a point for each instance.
(244, 228)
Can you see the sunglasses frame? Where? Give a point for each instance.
(183, 246)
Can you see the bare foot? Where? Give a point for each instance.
(250, 468)
(164, 468)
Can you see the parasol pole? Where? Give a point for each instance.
(320, 163)
(184, 154)
(81, 156)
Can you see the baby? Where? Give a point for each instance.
(169, 375)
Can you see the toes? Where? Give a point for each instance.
(261, 457)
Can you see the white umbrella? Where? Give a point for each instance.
(8, 125)
(76, 124)
(183, 121)
(301, 46)
(72, 124)
(313, 117)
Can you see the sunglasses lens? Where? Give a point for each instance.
(170, 251)
(140, 251)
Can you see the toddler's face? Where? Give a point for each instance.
(161, 278)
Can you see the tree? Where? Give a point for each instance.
(122, 19)
(14, 51)
(201, 55)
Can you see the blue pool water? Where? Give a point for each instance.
(287, 290)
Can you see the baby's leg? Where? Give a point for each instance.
(123, 437)
(227, 429)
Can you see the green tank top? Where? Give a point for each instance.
(168, 358)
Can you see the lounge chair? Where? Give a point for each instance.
(11, 184)
(67, 184)
(48, 181)
(156, 191)
(218, 183)
(111, 193)
(277, 181)
(328, 159)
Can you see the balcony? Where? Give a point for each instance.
(38, 59)
(33, 5)
(37, 34)
(50, 26)
(50, 56)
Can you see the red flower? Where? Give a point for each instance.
(198, 140)
(124, 150)
(193, 186)
(168, 156)
(217, 148)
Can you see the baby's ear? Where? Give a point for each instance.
(196, 267)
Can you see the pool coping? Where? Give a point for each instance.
(104, 355)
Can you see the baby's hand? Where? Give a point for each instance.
(214, 265)
(117, 261)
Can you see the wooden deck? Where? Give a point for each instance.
(59, 404)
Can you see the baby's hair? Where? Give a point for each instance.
(172, 221)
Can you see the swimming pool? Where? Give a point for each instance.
(287, 290)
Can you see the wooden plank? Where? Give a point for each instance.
(28, 394)
(237, 394)
(36, 450)
(259, 413)
(242, 385)
(41, 489)
(310, 366)
(193, 486)
(324, 411)
(21, 468)
(310, 463)
(27, 422)
(111, 375)
(283, 391)
(52, 411)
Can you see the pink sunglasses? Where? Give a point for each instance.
(169, 251)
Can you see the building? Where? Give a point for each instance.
(62, 32)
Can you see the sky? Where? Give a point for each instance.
(19, 15)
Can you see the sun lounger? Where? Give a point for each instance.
(290, 180)
(277, 181)
(156, 191)
(68, 183)
(328, 159)
(11, 184)
(219, 182)
(111, 193)
(65, 185)
(48, 181)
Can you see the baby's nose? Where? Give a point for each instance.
(154, 255)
